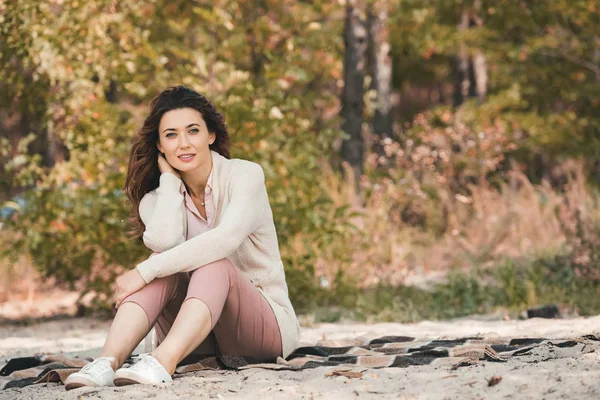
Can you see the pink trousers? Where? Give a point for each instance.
(242, 321)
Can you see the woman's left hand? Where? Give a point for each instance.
(126, 284)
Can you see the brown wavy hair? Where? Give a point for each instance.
(142, 172)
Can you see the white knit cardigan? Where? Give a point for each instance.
(244, 233)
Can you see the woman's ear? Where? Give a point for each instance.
(159, 148)
(211, 138)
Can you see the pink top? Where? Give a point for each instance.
(196, 224)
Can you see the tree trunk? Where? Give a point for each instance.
(596, 57)
(381, 67)
(463, 81)
(480, 74)
(257, 59)
(471, 70)
(479, 63)
(355, 42)
(56, 152)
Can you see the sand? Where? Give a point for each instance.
(548, 373)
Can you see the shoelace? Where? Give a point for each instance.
(144, 359)
(99, 363)
(140, 356)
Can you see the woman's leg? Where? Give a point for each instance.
(139, 312)
(219, 296)
(247, 325)
(190, 329)
(128, 328)
(166, 320)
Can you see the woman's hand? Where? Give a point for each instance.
(126, 284)
(164, 166)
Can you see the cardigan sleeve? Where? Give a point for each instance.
(162, 214)
(243, 215)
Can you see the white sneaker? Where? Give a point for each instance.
(97, 373)
(146, 370)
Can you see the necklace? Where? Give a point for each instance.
(201, 200)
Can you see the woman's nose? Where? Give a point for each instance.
(183, 141)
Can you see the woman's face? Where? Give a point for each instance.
(183, 132)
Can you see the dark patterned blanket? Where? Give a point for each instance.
(387, 351)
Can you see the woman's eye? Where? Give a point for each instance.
(195, 130)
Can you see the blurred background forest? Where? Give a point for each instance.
(424, 158)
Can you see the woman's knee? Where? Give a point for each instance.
(220, 267)
(159, 288)
(214, 277)
(222, 263)
(164, 283)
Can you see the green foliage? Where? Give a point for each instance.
(543, 66)
(81, 74)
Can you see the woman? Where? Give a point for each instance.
(215, 283)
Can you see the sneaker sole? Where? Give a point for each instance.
(124, 381)
(70, 386)
(129, 381)
(125, 377)
(80, 382)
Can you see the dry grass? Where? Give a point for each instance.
(517, 220)
(19, 280)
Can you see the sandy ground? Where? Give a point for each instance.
(546, 374)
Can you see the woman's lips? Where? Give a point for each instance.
(187, 159)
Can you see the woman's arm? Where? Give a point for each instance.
(162, 214)
(243, 216)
